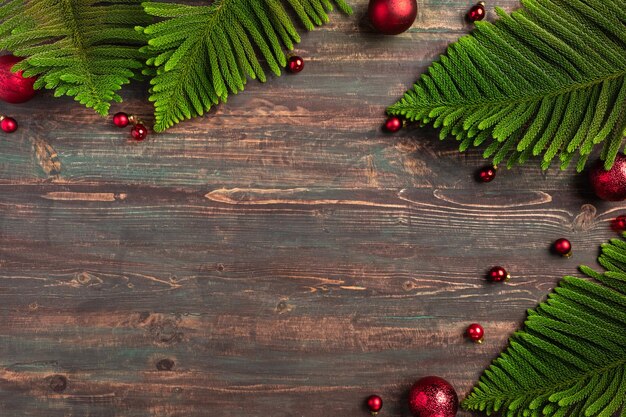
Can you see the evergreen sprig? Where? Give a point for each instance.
(82, 48)
(203, 53)
(547, 79)
(570, 359)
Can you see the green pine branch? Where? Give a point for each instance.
(82, 48)
(570, 358)
(548, 79)
(201, 54)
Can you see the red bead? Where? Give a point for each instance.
(14, 87)
(619, 224)
(295, 64)
(487, 174)
(609, 185)
(8, 124)
(498, 274)
(475, 332)
(477, 12)
(393, 124)
(432, 396)
(139, 132)
(563, 247)
(120, 119)
(374, 404)
(392, 17)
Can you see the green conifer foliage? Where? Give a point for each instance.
(548, 79)
(203, 53)
(82, 48)
(570, 358)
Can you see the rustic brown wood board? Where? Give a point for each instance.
(280, 256)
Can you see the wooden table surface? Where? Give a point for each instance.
(280, 256)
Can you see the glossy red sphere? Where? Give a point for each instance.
(563, 247)
(392, 17)
(8, 124)
(139, 132)
(393, 124)
(295, 64)
(619, 224)
(475, 332)
(432, 396)
(487, 174)
(120, 119)
(374, 403)
(14, 87)
(609, 185)
(498, 274)
(477, 12)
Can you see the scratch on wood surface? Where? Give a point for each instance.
(47, 157)
(74, 196)
(372, 175)
(296, 196)
(528, 198)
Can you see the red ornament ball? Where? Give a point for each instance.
(498, 274)
(120, 119)
(14, 87)
(392, 17)
(393, 124)
(295, 64)
(139, 132)
(563, 247)
(477, 12)
(475, 332)
(487, 174)
(374, 404)
(619, 223)
(609, 185)
(8, 124)
(432, 396)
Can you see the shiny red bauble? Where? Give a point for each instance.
(120, 119)
(477, 12)
(432, 396)
(609, 185)
(393, 124)
(619, 224)
(392, 17)
(374, 404)
(562, 247)
(139, 132)
(475, 332)
(295, 64)
(498, 274)
(8, 124)
(487, 174)
(14, 87)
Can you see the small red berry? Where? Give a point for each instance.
(374, 404)
(120, 119)
(487, 174)
(475, 332)
(393, 124)
(619, 223)
(295, 64)
(477, 12)
(498, 274)
(139, 132)
(563, 247)
(8, 124)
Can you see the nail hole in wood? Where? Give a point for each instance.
(58, 383)
(165, 365)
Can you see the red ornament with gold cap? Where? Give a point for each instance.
(432, 396)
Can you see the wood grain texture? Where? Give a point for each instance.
(280, 256)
